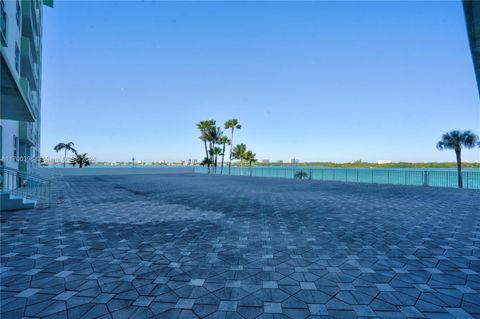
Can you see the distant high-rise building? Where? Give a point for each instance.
(383, 162)
(21, 68)
(294, 160)
(472, 18)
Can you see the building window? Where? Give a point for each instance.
(3, 23)
(19, 13)
(17, 58)
(15, 147)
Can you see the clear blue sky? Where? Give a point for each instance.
(320, 81)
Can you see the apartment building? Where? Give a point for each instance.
(21, 67)
(472, 18)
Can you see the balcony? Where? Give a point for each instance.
(30, 96)
(30, 19)
(34, 99)
(26, 133)
(25, 87)
(28, 66)
(3, 26)
(36, 75)
(15, 105)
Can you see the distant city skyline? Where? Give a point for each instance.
(321, 81)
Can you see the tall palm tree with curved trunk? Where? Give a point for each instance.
(205, 127)
(232, 125)
(456, 140)
(66, 147)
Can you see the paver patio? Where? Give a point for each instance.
(191, 245)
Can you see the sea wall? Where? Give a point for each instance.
(71, 171)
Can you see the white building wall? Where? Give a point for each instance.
(10, 130)
(14, 35)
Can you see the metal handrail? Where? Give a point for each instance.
(418, 177)
(26, 185)
(30, 175)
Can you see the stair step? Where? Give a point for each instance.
(14, 202)
(29, 204)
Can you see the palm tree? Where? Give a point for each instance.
(213, 134)
(204, 127)
(206, 161)
(231, 124)
(66, 147)
(81, 160)
(300, 175)
(223, 141)
(455, 140)
(249, 157)
(214, 152)
(239, 152)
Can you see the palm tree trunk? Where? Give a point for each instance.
(230, 157)
(206, 153)
(64, 158)
(223, 158)
(459, 168)
(212, 157)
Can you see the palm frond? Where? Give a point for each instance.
(441, 145)
(457, 139)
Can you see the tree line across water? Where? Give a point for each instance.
(215, 143)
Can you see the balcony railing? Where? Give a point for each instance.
(26, 185)
(27, 133)
(28, 65)
(417, 177)
(29, 19)
(32, 13)
(3, 24)
(25, 86)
